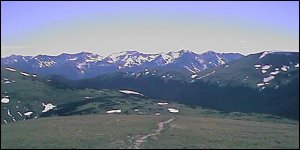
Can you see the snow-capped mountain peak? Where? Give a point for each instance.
(166, 58)
(85, 64)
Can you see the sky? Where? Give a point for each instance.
(52, 28)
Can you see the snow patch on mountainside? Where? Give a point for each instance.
(48, 107)
(207, 75)
(25, 74)
(186, 67)
(19, 114)
(257, 66)
(268, 79)
(175, 55)
(195, 68)
(130, 92)
(166, 58)
(260, 84)
(10, 69)
(94, 58)
(7, 82)
(72, 59)
(81, 65)
(194, 76)
(264, 54)
(114, 111)
(274, 72)
(161, 103)
(220, 60)
(28, 113)
(115, 56)
(200, 60)
(5, 100)
(130, 62)
(263, 71)
(46, 63)
(266, 67)
(8, 113)
(172, 110)
(285, 68)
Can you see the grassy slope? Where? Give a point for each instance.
(242, 71)
(73, 101)
(226, 98)
(32, 92)
(192, 132)
(117, 131)
(91, 131)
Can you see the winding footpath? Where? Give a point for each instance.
(141, 139)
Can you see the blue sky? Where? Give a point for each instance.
(32, 28)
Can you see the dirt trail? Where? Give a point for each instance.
(141, 139)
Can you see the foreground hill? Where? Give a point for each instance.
(27, 96)
(147, 131)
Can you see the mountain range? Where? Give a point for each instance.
(88, 65)
(265, 82)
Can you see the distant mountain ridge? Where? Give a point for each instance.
(87, 65)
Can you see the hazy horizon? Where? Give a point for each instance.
(77, 52)
(52, 28)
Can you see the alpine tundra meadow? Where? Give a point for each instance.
(149, 74)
